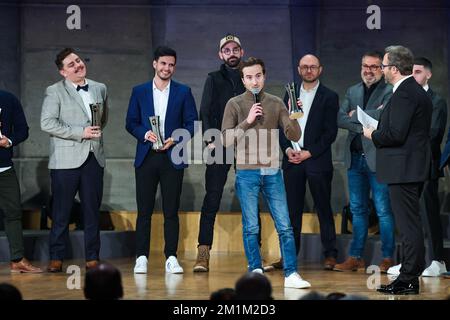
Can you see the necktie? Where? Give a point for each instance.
(85, 87)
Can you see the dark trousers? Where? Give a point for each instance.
(405, 205)
(215, 179)
(295, 178)
(12, 212)
(431, 216)
(157, 169)
(87, 180)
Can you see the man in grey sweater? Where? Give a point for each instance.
(250, 123)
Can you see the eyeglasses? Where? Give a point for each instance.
(386, 65)
(372, 67)
(306, 68)
(228, 51)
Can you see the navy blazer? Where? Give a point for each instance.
(320, 131)
(181, 113)
(13, 125)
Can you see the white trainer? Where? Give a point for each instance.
(141, 265)
(172, 265)
(258, 270)
(395, 270)
(435, 269)
(295, 281)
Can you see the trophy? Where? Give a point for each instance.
(95, 114)
(154, 122)
(296, 112)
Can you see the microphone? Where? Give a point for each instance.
(255, 92)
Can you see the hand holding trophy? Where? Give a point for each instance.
(155, 124)
(96, 118)
(295, 112)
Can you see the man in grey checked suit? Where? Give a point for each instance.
(76, 160)
(371, 95)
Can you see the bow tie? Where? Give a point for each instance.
(85, 87)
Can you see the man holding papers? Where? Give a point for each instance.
(403, 162)
(366, 98)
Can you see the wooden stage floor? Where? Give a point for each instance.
(225, 269)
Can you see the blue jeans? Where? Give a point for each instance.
(360, 181)
(248, 185)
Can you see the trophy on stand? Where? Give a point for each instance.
(154, 122)
(296, 112)
(96, 114)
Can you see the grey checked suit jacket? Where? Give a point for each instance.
(64, 117)
(354, 97)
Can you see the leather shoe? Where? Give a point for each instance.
(329, 263)
(91, 264)
(24, 266)
(54, 266)
(400, 287)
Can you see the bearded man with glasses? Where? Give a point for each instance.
(371, 94)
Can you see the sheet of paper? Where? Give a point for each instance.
(365, 119)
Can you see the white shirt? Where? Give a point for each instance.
(160, 101)
(307, 98)
(399, 82)
(426, 87)
(86, 97)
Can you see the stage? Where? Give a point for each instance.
(226, 268)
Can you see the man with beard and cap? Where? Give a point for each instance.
(220, 86)
(370, 95)
(309, 158)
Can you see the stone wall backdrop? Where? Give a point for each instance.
(117, 39)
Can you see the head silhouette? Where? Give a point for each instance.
(103, 282)
(253, 286)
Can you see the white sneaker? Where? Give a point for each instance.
(172, 265)
(435, 269)
(395, 270)
(141, 265)
(295, 281)
(258, 270)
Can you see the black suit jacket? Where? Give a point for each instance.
(438, 123)
(402, 138)
(320, 131)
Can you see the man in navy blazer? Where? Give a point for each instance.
(13, 130)
(174, 104)
(309, 159)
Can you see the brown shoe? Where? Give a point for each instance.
(351, 264)
(329, 263)
(91, 264)
(54, 266)
(202, 263)
(386, 264)
(277, 265)
(24, 266)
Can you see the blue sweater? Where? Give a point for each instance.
(13, 125)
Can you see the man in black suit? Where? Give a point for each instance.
(429, 202)
(403, 161)
(309, 159)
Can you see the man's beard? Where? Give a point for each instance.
(310, 80)
(233, 64)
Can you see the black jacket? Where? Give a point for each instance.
(13, 125)
(218, 89)
(402, 138)
(320, 131)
